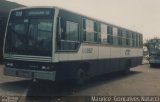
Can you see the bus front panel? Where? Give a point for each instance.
(28, 41)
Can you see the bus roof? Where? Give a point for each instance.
(84, 16)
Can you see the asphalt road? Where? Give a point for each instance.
(141, 81)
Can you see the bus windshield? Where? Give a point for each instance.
(154, 47)
(29, 37)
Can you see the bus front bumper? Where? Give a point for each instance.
(45, 75)
(153, 60)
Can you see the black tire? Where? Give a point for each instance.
(152, 65)
(80, 77)
(127, 67)
(127, 71)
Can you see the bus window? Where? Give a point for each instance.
(70, 37)
(115, 36)
(71, 31)
(123, 41)
(96, 31)
(110, 39)
(115, 40)
(127, 42)
(40, 35)
(90, 30)
(119, 41)
(103, 33)
(110, 33)
(109, 30)
(124, 34)
(29, 37)
(119, 37)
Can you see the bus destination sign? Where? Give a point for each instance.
(38, 12)
(33, 13)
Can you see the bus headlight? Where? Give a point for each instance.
(46, 67)
(9, 64)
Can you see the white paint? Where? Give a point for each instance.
(104, 52)
(100, 52)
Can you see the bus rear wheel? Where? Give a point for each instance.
(153, 65)
(127, 67)
(80, 77)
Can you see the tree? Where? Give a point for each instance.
(146, 44)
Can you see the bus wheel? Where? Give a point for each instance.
(127, 67)
(80, 77)
(127, 71)
(152, 65)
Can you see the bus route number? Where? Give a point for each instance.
(87, 50)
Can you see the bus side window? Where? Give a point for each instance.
(96, 31)
(110, 34)
(103, 33)
(119, 36)
(90, 31)
(68, 36)
(124, 43)
(115, 36)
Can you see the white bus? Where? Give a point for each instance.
(51, 43)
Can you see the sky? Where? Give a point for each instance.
(139, 15)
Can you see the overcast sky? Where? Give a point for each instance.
(139, 15)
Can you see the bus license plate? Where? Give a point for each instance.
(24, 74)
